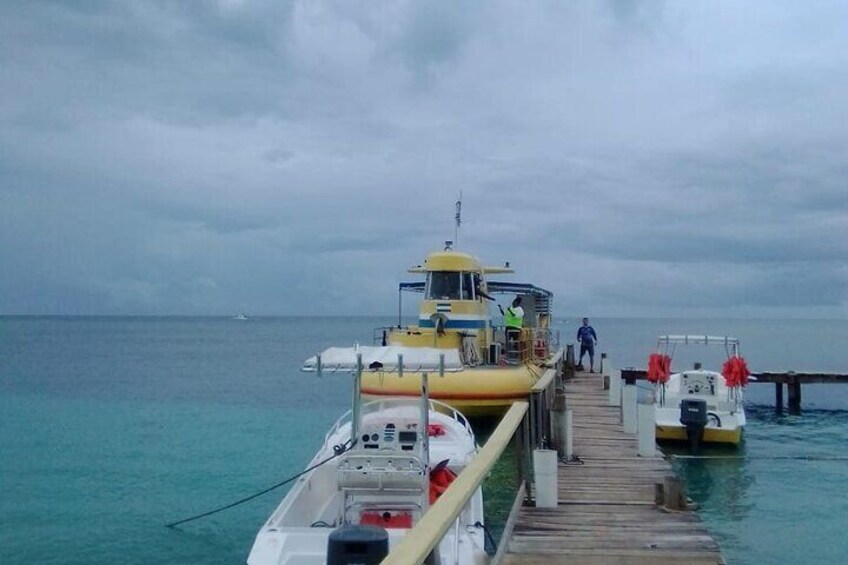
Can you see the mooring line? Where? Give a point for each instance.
(337, 450)
(767, 457)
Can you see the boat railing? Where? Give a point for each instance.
(532, 344)
(380, 334)
(528, 344)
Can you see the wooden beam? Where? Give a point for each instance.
(544, 382)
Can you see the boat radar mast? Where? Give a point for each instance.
(458, 218)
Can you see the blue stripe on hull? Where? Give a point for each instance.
(464, 324)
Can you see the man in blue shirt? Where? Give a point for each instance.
(588, 338)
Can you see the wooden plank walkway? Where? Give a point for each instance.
(607, 511)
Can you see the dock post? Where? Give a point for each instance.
(778, 397)
(647, 430)
(628, 408)
(794, 389)
(674, 493)
(568, 369)
(605, 373)
(603, 358)
(558, 433)
(545, 474)
(522, 442)
(615, 387)
(569, 434)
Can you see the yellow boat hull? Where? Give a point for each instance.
(478, 391)
(711, 435)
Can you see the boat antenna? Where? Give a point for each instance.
(458, 218)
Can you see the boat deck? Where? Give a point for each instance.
(607, 511)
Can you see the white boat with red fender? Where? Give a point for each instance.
(378, 471)
(697, 405)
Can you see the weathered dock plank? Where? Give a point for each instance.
(607, 511)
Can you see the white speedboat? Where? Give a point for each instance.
(240, 317)
(698, 405)
(371, 481)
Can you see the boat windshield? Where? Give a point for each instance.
(443, 285)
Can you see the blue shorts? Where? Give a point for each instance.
(587, 348)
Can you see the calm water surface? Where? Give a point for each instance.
(112, 427)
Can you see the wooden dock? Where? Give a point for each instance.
(607, 510)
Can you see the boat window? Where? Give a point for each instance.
(443, 285)
(467, 287)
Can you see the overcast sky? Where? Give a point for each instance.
(636, 158)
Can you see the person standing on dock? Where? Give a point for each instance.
(588, 339)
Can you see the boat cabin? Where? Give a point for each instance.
(456, 312)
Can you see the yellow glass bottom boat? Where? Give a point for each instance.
(474, 391)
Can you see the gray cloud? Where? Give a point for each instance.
(211, 157)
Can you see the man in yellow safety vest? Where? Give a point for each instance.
(513, 320)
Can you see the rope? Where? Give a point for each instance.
(337, 450)
(767, 457)
(489, 537)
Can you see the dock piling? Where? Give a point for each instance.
(793, 387)
(558, 424)
(778, 397)
(615, 387)
(674, 497)
(545, 475)
(628, 408)
(647, 430)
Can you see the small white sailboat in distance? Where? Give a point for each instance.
(241, 317)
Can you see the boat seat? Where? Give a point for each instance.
(380, 483)
(378, 472)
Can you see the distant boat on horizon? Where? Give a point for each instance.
(241, 317)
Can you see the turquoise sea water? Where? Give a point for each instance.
(112, 427)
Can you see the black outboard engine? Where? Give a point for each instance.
(693, 415)
(357, 545)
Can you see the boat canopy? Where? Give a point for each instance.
(456, 261)
(385, 359)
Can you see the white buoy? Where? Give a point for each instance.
(545, 474)
(615, 387)
(647, 431)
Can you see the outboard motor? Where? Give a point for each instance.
(693, 415)
(357, 545)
